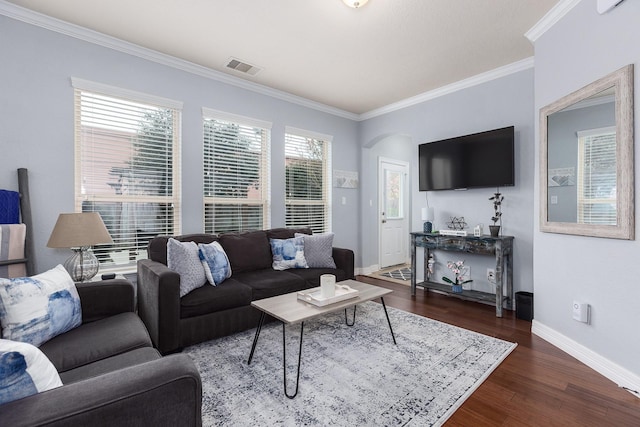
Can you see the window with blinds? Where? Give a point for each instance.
(127, 167)
(308, 182)
(597, 176)
(236, 173)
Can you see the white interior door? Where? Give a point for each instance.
(393, 178)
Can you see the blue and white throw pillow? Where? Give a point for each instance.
(288, 253)
(24, 370)
(38, 308)
(183, 258)
(318, 250)
(215, 262)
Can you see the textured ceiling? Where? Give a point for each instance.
(356, 60)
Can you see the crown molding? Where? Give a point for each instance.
(53, 24)
(549, 20)
(453, 87)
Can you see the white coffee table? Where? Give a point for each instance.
(289, 310)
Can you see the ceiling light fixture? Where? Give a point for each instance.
(355, 3)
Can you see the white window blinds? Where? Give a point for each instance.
(308, 182)
(597, 176)
(127, 167)
(236, 173)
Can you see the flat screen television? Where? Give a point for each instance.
(479, 160)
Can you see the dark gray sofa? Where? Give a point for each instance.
(213, 311)
(112, 375)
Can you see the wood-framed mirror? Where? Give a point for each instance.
(586, 160)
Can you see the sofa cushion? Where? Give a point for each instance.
(96, 341)
(184, 259)
(247, 251)
(36, 309)
(288, 253)
(287, 233)
(110, 364)
(215, 262)
(312, 275)
(318, 250)
(269, 283)
(210, 299)
(24, 371)
(157, 248)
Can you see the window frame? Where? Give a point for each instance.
(264, 199)
(173, 199)
(584, 201)
(327, 141)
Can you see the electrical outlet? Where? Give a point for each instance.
(491, 275)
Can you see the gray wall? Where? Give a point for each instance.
(36, 126)
(502, 102)
(582, 47)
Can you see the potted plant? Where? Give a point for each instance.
(497, 199)
(459, 270)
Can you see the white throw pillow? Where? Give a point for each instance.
(184, 259)
(38, 308)
(24, 370)
(215, 262)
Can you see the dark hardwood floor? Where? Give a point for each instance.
(536, 385)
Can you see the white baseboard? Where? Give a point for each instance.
(367, 270)
(616, 373)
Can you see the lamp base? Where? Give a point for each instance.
(428, 227)
(82, 265)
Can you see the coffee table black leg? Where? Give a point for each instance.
(284, 361)
(353, 322)
(388, 321)
(255, 338)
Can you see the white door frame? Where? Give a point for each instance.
(406, 207)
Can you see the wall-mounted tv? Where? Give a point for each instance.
(482, 159)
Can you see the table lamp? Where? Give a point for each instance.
(80, 231)
(427, 217)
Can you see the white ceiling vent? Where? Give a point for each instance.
(243, 67)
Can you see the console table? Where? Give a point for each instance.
(500, 247)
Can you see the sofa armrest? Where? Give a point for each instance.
(344, 259)
(163, 392)
(159, 304)
(105, 298)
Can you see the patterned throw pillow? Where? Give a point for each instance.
(288, 253)
(184, 259)
(38, 308)
(24, 370)
(318, 250)
(215, 262)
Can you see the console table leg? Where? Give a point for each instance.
(255, 338)
(413, 265)
(284, 361)
(388, 321)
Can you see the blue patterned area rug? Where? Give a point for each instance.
(350, 376)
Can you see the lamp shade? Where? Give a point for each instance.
(427, 214)
(74, 230)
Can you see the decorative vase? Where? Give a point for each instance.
(494, 230)
(456, 289)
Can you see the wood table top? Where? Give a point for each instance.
(289, 309)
